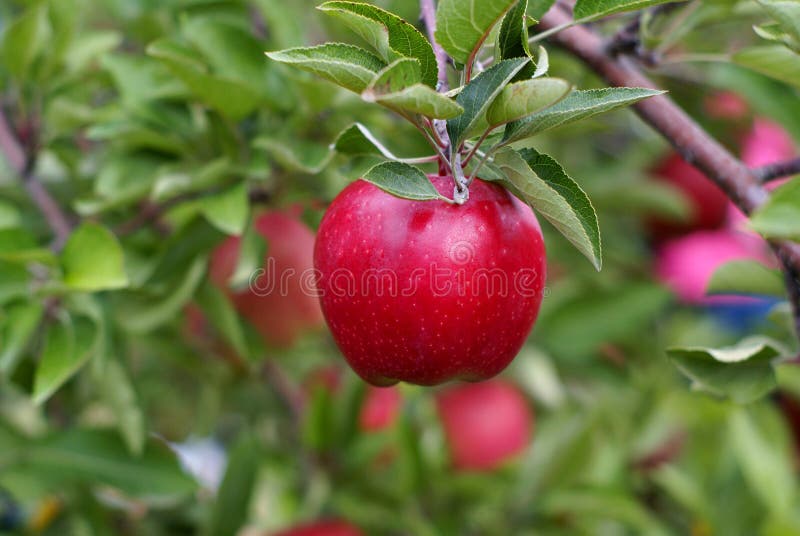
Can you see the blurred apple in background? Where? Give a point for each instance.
(380, 409)
(285, 309)
(708, 204)
(485, 424)
(726, 105)
(322, 528)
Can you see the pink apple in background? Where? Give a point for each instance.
(686, 264)
(380, 409)
(708, 204)
(726, 105)
(323, 528)
(286, 306)
(485, 424)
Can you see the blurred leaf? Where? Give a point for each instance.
(229, 209)
(140, 79)
(684, 489)
(20, 323)
(579, 104)
(252, 251)
(402, 180)
(775, 61)
(99, 457)
(88, 47)
(232, 506)
(746, 277)
(779, 217)
(743, 372)
(786, 12)
(388, 34)
(348, 66)
(117, 390)
(93, 260)
(543, 184)
(15, 281)
(478, 95)
(418, 99)
(520, 99)
(69, 343)
(19, 245)
(767, 467)
(594, 9)
(10, 216)
(295, 155)
(461, 26)
(25, 39)
(220, 312)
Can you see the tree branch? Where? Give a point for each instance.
(428, 12)
(778, 170)
(22, 164)
(693, 143)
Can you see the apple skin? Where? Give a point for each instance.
(281, 315)
(708, 203)
(686, 264)
(323, 528)
(380, 409)
(410, 326)
(485, 424)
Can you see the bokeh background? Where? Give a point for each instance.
(171, 403)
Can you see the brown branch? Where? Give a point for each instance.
(693, 143)
(23, 165)
(778, 170)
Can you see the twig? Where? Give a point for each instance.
(23, 165)
(778, 170)
(693, 143)
(428, 11)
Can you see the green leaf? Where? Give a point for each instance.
(20, 324)
(542, 183)
(537, 8)
(594, 9)
(420, 99)
(232, 506)
(779, 217)
(10, 216)
(768, 467)
(512, 41)
(577, 105)
(19, 245)
(743, 373)
(775, 61)
(786, 12)
(99, 457)
(348, 66)
(25, 40)
(388, 34)
(252, 251)
(93, 260)
(228, 210)
(356, 140)
(69, 344)
(520, 99)
(462, 25)
(746, 277)
(399, 74)
(117, 390)
(478, 95)
(295, 155)
(220, 312)
(402, 180)
(141, 79)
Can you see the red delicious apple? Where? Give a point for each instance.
(426, 291)
(686, 264)
(707, 202)
(380, 408)
(282, 304)
(323, 528)
(485, 424)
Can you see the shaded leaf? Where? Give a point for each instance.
(779, 217)
(520, 99)
(775, 61)
(117, 390)
(746, 277)
(68, 345)
(402, 180)
(25, 39)
(228, 210)
(232, 506)
(21, 321)
(462, 25)
(399, 74)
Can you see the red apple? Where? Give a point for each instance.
(708, 204)
(380, 408)
(686, 264)
(485, 424)
(426, 291)
(322, 528)
(281, 304)
(726, 105)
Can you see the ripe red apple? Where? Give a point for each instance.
(708, 204)
(686, 264)
(322, 528)
(485, 424)
(426, 291)
(282, 305)
(380, 408)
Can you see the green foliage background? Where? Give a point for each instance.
(131, 104)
